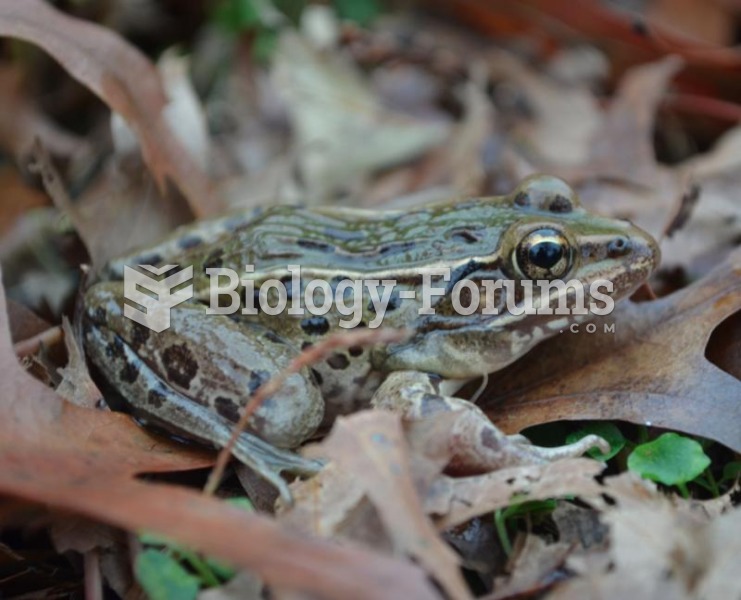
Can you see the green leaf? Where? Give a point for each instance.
(732, 470)
(363, 12)
(237, 15)
(670, 459)
(163, 578)
(608, 431)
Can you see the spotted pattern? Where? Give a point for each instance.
(180, 365)
(338, 361)
(227, 408)
(156, 398)
(315, 325)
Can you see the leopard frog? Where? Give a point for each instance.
(195, 377)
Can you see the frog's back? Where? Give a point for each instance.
(323, 240)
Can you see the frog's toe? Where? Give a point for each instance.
(573, 450)
(270, 462)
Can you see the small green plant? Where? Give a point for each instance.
(505, 518)
(167, 570)
(670, 459)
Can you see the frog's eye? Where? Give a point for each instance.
(543, 254)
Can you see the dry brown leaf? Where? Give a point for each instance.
(370, 447)
(531, 570)
(455, 500)
(123, 78)
(84, 461)
(21, 121)
(76, 386)
(651, 370)
(623, 147)
(682, 554)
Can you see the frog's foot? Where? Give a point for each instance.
(477, 445)
(270, 462)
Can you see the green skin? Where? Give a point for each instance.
(195, 376)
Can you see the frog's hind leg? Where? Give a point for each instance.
(195, 377)
(476, 444)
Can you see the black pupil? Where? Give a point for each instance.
(545, 254)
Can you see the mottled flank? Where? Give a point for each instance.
(257, 378)
(156, 398)
(338, 361)
(227, 408)
(180, 365)
(315, 325)
(129, 373)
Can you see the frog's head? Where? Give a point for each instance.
(547, 239)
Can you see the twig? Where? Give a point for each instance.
(310, 356)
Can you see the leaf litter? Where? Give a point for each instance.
(347, 116)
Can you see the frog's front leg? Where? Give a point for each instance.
(477, 445)
(195, 377)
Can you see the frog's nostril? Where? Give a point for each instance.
(620, 246)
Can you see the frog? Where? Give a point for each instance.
(195, 377)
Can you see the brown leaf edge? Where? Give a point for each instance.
(122, 77)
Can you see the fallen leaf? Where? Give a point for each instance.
(371, 445)
(123, 78)
(652, 370)
(342, 132)
(456, 500)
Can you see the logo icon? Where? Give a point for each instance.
(157, 305)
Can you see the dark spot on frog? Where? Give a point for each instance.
(149, 259)
(99, 315)
(129, 373)
(139, 336)
(338, 361)
(189, 241)
(355, 351)
(314, 245)
(180, 365)
(393, 304)
(490, 440)
(315, 325)
(396, 248)
(432, 404)
(465, 236)
(306, 345)
(156, 398)
(257, 378)
(214, 260)
(227, 408)
(522, 199)
(115, 350)
(620, 246)
(560, 204)
(317, 377)
(274, 337)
